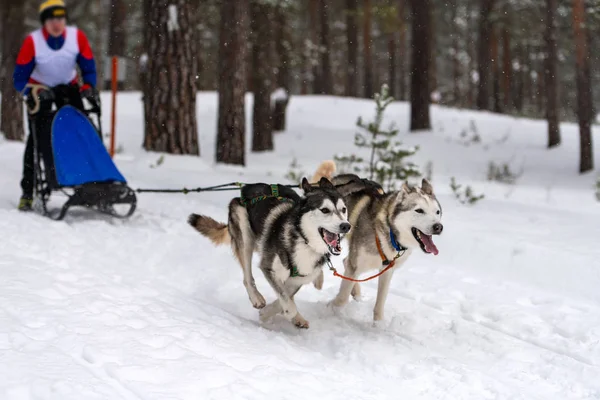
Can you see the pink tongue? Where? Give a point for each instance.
(331, 238)
(429, 246)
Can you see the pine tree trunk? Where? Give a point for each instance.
(12, 17)
(471, 87)
(144, 73)
(283, 49)
(419, 89)
(550, 72)
(263, 76)
(117, 34)
(584, 87)
(433, 78)
(201, 18)
(495, 72)
(519, 92)
(173, 68)
(527, 78)
(456, 96)
(248, 62)
(367, 50)
(402, 54)
(392, 63)
(317, 79)
(483, 56)
(506, 68)
(304, 62)
(231, 130)
(326, 77)
(390, 34)
(352, 43)
(541, 90)
(99, 23)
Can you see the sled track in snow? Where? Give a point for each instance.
(498, 329)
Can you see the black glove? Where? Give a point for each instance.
(45, 96)
(39, 99)
(92, 95)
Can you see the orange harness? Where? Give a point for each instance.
(384, 261)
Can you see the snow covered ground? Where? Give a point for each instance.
(93, 308)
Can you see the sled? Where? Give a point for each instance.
(83, 169)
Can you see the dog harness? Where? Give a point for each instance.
(274, 194)
(395, 244)
(294, 272)
(384, 261)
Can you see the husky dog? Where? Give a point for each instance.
(402, 221)
(294, 236)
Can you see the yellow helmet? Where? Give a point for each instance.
(52, 9)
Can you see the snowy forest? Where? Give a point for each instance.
(533, 58)
(201, 235)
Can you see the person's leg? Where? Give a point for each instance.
(27, 179)
(42, 123)
(74, 97)
(26, 200)
(44, 145)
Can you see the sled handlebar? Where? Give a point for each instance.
(35, 88)
(93, 110)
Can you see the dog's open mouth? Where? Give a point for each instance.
(425, 241)
(332, 240)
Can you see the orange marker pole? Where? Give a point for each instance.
(114, 106)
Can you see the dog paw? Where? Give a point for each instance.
(258, 301)
(337, 302)
(259, 304)
(380, 324)
(300, 322)
(377, 316)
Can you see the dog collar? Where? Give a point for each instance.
(400, 250)
(395, 244)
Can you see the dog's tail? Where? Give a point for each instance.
(325, 170)
(216, 231)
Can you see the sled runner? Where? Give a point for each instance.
(82, 168)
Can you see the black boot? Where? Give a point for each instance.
(25, 203)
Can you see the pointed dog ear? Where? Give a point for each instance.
(405, 189)
(325, 183)
(426, 187)
(306, 185)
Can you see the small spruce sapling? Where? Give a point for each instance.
(349, 163)
(159, 162)
(466, 196)
(387, 164)
(502, 173)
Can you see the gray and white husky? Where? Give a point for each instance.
(402, 220)
(294, 236)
